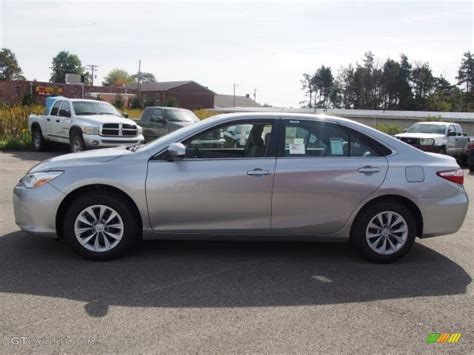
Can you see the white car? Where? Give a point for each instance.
(83, 124)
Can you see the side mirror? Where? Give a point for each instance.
(176, 151)
(124, 114)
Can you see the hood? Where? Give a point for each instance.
(106, 119)
(91, 157)
(419, 135)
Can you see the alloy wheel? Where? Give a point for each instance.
(386, 232)
(99, 228)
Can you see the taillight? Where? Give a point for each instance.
(456, 176)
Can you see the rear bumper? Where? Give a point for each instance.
(96, 141)
(444, 215)
(35, 209)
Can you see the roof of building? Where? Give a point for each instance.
(222, 101)
(164, 85)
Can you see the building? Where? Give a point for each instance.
(188, 94)
(13, 91)
(223, 101)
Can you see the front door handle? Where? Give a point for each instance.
(369, 170)
(258, 172)
(57, 120)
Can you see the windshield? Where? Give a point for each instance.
(94, 108)
(427, 128)
(181, 115)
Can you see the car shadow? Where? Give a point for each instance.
(30, 155)
(221, 274)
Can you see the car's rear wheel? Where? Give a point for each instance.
(101, 226)
(37, 140)
(77, 143)
(384, 231)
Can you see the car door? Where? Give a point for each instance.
(451, 140)
(156, 126)
(461, 141)
(51, 124)
(217, 187)
(63, 120)
(323, 172)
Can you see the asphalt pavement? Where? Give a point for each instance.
(229, 297)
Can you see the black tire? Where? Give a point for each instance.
(37, 141)
(77, 143)
(359, 229)
(131, 227)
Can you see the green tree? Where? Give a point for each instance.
(307, 86)
(322, 82)
(118, 77)
(423, 85)
(65, 63)
(405, 92)
(9, 68)
(145, 78)
(466, 77)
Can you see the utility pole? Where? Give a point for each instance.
(138, 79)
(235, 85)
(255, 95)
(92, 68)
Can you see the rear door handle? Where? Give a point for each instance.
(57, 120)
(48, 119)
(258, 172)
(369, 170)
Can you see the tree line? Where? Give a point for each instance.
(394, 85)
(68, 63)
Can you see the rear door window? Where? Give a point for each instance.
(55, 108)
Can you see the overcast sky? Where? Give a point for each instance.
(263, 46)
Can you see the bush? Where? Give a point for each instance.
(136, 103)
(14, 126)
(389, 129)
(28, 100)
(203, 114)
(170, 102)
(118, 102)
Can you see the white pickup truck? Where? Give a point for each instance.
(83, 124)
(438, 137)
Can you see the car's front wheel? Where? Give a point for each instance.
(101, 226)
(384, 231)
(77, 143)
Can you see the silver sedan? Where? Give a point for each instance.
(297, 177)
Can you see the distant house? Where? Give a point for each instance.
(188, 94)
(224, 101)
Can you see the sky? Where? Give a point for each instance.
(265, 46)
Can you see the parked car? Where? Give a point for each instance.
(83, 124)
(298, 177)
(158, 121)
(438, 137)
(470, 154)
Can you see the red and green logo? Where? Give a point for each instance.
(443, 338)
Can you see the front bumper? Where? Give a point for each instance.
(96, 141)
(35, 209)
(443, 215)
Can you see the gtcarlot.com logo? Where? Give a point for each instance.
(443, 338)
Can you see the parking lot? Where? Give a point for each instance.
(215, 297)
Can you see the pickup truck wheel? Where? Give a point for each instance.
(37, 140)
(77, 143)
(101, 226)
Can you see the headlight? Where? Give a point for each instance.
(90, 130)
(427, 141)
(39, 179)
(139, 130)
